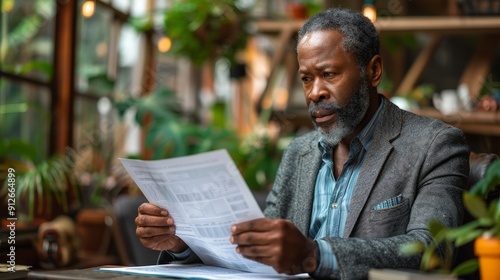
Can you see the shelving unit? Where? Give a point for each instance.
(479, 123)
(483, 123)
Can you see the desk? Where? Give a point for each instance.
(87, 273)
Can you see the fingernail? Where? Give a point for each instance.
(170, 221)
(237, 250)
(231, 239)
(164, 213)
(233, 229)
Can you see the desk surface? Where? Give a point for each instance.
(81, 274)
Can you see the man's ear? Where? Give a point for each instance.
(374, 70)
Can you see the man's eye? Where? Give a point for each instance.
(328, 74)
(305, 79)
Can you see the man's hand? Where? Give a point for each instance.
(275, 242)
(156, 229)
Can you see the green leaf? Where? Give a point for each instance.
(141, 24)
(485, 222)
(465, 268)
(101, 83)
(468, 237)
(435, 227)
(454, 233)
(437, 230)
(494, 210)
(475, 205)
(412, 248)
(429, 259)
(43, 67)
(21, 149)
(490, 179)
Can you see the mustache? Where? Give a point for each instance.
(324, 106)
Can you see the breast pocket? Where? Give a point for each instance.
(390, 221)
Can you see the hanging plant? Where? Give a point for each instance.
(203, 30)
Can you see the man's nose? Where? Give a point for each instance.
(318, 91)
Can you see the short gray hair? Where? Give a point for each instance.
(360, 35)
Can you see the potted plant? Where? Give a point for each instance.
(203, 30)
(483, 203)
(39, 187)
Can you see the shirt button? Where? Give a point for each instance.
(335, 205)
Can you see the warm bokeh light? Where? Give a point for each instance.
(88, 8)
(370, 12)
(7, 5)
(101, 49)
(164, 44)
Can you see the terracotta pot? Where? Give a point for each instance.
(94, 227)
(488, 252)
(297, 11)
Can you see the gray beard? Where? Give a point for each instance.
(348, 116)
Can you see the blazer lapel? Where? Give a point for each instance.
(310, 162)
(388, 128)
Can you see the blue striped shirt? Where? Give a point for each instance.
(332, 197)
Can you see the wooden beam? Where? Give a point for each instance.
(479, 65)
(63, 82)
(278, 58)
(418, 66)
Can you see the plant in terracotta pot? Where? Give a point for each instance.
(37, 189)
(483, 203)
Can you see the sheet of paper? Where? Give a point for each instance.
(205, 194)
(198, 271)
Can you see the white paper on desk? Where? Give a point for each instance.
(205, 194)
(190, 271)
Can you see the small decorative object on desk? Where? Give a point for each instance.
(447, 102)
(489, 103)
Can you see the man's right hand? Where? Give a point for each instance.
(156, 229)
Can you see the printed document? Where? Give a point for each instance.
(199, 271)
(205, 194)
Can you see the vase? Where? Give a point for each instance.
(488, 252)
(94, 227)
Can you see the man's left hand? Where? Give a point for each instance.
(277, 243)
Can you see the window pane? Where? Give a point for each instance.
(94, 123)
(25, 115)
(122, 5)
(128, 78)
(27, 47)
(92, 51)
(86, 125)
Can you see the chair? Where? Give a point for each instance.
(478, 163)
(130, 249)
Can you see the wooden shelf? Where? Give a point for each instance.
(477, 122)
(488, 28)
(445, 25)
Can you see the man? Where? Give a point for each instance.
(365, 182)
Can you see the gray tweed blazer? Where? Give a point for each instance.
(423, 159)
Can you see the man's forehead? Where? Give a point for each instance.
(318, 36)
